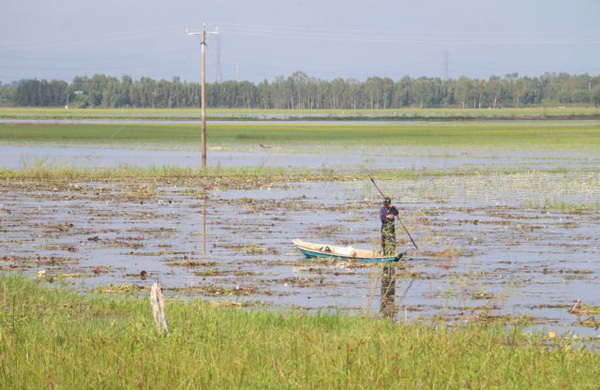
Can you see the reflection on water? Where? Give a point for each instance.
(205, 200)
(388, 293)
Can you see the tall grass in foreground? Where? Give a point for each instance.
(52, 337)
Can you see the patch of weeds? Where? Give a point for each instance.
(503, 319)
(254, 249)
(125, 244)
(304, 282)
(590, 322)
(235, 304)
(411, 275)
(75, 275)
(210, 272)
(579, 271)
(579, 309)
(119, 288)
(142, 190)
(482, 295)
(453, 253)
(215, 291)
(191, 263)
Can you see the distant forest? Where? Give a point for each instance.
(299, 91)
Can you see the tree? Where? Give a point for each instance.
(304, 92)
(596, 97)
(464, 91)
(423, 91)
(374, 91)
(402, 92)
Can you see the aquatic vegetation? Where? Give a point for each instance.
(579, 309)
(120, 289)
(254, 249)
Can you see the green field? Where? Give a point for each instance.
(224, 113)
(556, 134)
(56, 338)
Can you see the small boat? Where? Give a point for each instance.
(312, 251)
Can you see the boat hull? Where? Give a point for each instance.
(313, 253)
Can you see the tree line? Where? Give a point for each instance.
(299, 91)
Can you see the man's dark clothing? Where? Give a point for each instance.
(388, 233)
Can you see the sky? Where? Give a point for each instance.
(263, 39)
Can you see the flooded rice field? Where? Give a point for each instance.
(313, 157)
(520, 247)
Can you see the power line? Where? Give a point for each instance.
(98, 38)
(503, 38)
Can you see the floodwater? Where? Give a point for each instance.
(488, 249)
(348, 158)
(491, 246)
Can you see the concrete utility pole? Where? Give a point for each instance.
(202, 87)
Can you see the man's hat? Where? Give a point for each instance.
(387, 199)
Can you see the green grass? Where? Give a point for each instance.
(555, 135)
(235, 175)
(215, 113)
(55, 338)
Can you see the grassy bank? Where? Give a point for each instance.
(554, 135)
(55, 338)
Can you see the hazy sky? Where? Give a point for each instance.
(261, 39)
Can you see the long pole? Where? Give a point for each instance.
(203, 95)
(401, 224)
(376, 186)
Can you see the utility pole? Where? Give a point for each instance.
(202, 88)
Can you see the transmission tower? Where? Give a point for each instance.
(217, 57)
(446, 64)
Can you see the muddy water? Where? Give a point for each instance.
(487, 248)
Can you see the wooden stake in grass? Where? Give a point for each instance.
(158, 307)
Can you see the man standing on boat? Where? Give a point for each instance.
(387, 215)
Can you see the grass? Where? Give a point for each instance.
(55, 338)
(215, 113)
(41, 170)
(567, 135)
